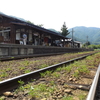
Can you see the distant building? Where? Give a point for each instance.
(70, 43)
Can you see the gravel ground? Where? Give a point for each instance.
(54, 87)
(9, 69)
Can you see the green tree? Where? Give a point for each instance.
(30, 22)
(86, 44)
(41, 25)
(64, 30)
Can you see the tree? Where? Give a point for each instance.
(30, 22)
(86, 44)
(64, 30)
(41, 25)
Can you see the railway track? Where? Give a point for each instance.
(6, 58)
(12, 83)
(94, 93)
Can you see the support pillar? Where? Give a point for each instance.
(13, 34)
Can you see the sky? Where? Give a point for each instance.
(53, 13)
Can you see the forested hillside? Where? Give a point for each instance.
(84, 34)
(81, 33)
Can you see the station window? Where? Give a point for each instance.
(22, 30)
(0, 20)
(18, 30)
(6, 35)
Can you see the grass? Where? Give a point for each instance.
(82, 96)
(12, 57)
(21, 68)
(47, 73)
(52, 83)
(21, 82)
(64, 68)
(55, 75)
(43, 66)
(2, 98)
(68, 68)
(59, 69)
(27, 71)
(83, 69)
(76, 74)
(67, 98)
(16, 67)
(49, 86)
(25, 63)
(8, 69)
(40, 90)
(3, 74)
(21, 87)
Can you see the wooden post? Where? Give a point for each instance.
(40, 39)
(63, 42)
(27, 33)
(13, 34)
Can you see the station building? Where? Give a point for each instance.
(12, 29)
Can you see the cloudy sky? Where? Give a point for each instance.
(53, 13)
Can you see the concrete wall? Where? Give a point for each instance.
(3, 51)
(15, 50)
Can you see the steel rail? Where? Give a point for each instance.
(12, 83)
(92, 91)
(5, 58)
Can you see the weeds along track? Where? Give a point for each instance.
(7, 58)
(13, 68)
(13, 82)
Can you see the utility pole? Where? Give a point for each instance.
(72, 38)
(87, 39)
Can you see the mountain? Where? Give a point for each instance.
(53, 30)
(84, 34)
